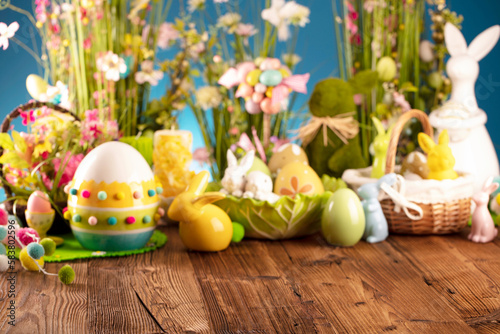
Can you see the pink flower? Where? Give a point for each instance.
(234, 131)
(166, 34)
(87, 43)
(7, 32)
(201, 155)
(92, 115)
(69, 164)
(245, 30)
(400, 101)
(278, 143)
(27, 117)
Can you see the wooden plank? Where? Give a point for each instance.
(113, 305)
(43, 303)
(244, 291)
(465, 273)
(366, 288)
(165, 282)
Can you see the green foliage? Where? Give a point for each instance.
(6, 142)
(14, 160)
(332, 184)
(364, 81)
(331, 97)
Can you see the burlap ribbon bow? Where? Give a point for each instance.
(343, 125)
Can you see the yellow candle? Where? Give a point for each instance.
(171, 158)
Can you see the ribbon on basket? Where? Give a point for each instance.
(397, 194)
(343, 125)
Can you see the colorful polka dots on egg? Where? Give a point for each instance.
(146, 219)
(85, 194)
(119, 196)
(112, 221)
(137, 194)
(77, 218)
(159, 190)
(92, 221)
(73, 191)
(102, 195)
(151, 192)
(130, 220)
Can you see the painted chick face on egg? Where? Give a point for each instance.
(286, 154)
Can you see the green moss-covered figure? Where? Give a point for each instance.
(333, 97)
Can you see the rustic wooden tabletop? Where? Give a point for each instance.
(406, 284)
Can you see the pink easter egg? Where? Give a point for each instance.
(275, 64)
(252, 107)
(257, 97)
(38, 202)
(268, 107)
(244, 90)
(260, 88)
(243, 70)
(26, 235)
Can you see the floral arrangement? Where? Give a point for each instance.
(385, 36)
(46, 156)
(101, 55)
(242, 75)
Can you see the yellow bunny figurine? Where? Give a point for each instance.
(202, 226)
(440, 160)
(380, 146)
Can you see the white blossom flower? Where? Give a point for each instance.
(148, 74)
(229, 21)
(208, 97)
(111, 65)
(220, 1)
(282, 14)
(291, 59)
(194, 5)
(7, 32)
(296, 14)
(166, 34)
(245, 31)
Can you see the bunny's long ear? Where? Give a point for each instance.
(231, 159)
(454, 40)
(247, 161)
(484, 42)
(389, 179)
(207, 198)
(444, 139)
(489, 187)
(378, 125)
(425, 142)
(199, 183)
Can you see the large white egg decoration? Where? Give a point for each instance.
(113, 199)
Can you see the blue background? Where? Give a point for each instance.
(316, 46)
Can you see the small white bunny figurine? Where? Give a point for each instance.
(260, 186)
(234, 179)
(469, 140)
(483, 228)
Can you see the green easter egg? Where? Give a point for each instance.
(343, 219)
(435, 80)
(258, 165)
(253, 77)
(386, 68)
(271, 78)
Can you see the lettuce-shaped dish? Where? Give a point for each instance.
(285, 219)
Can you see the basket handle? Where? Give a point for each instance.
(396, 132)
(14, 114)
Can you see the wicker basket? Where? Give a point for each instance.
(438, 217)
(11, 206)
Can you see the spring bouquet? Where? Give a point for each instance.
(46, 155)
(386, 36)
(248, 72)
(103, 55)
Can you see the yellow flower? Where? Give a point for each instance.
(41, 148)
(146, 53)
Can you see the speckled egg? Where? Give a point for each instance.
(415, 163)
(113, 199)
(286, 154)
(297, 178)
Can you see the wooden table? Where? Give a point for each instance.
(406, 284)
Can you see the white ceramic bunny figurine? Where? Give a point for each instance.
(260, 186)
(483, 228)
(469, 140)
(234, 179)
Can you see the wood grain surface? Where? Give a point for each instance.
(407, 284)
